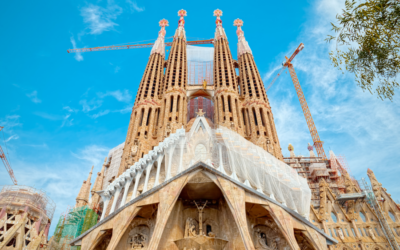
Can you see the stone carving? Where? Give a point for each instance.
(167, 130)
(139, 237)
(134, 148)
(190, 228)
(266, 238)
(341, 236)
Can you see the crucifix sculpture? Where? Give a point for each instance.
(201, 208)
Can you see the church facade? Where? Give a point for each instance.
(220, 181)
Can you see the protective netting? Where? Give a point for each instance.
(203, 103)
(112, 171)
(200, 65)
(77, 221)
(242, 160)
(38, 203)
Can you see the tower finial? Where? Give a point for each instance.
(159, 45)
(243, 46)
(180, 32)
(182, 13)
(219, 32)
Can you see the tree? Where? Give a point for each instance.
(369, 33)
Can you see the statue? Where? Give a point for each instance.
(204, 83)
(200, 217)
(341, 236)
(261, 241)
(168, 130)
(190, 228)
(134, 148)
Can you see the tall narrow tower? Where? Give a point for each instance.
(256, 112)
(143, 126)
(226, 98)
(83, 197)
(175, 82)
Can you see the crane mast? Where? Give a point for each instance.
(318, 144)
(306, 111)
(7, 164)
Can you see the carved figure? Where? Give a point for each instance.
(168, 130)
(204, 83)
(134, 148)
(190, 228)
(138, 237)
(341, 236)
(261, 241)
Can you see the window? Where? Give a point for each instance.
(363, 217)
(354, 233)
(365, 231)
(392, 216)
(377, 232)
(347, 232)
(395, 230)
(330, 231)
(334, 218)
(359, 229)
(334, 230)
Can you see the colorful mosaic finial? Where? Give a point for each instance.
(290, 147)
(182, 13)
(159, 45)
(243, 46)
(180, 32)
(163, 23)
(218, 14)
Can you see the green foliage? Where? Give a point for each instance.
(370, 32)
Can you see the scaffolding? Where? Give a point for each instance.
(77, 221)
(200, 65)
(200, 103)
(373, 202)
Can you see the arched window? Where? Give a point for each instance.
(363, 217)
(334, 218)
(392, 216)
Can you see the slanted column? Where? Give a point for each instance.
(182, 145)
(105, 195)
(170, 153)
(137, 179)
(118, 187)
(221, 163)
(128, 181)
(148, 170)
(159, 160)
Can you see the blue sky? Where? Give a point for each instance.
(63, 112)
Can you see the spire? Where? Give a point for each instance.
(311, 150)
(83, 197)
(159, 45)
(376, 186)
(243, 46)
(180, 32)
(219, 31)
(98, 183)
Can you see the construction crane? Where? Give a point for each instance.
(306, 111)
(7, 164)
(134, 46)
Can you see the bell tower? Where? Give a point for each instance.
(259, 126)
(145, 117)
(226, 97)
(175, 82)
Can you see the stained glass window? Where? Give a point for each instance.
(334, 218)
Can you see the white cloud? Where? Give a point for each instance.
(88, 106)
(78, 55)
(349, 121)
(33, 97)
(100, 19)
(13, 137)
(101, 113)
(134, 7)
(92, 154)
(122, 96)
